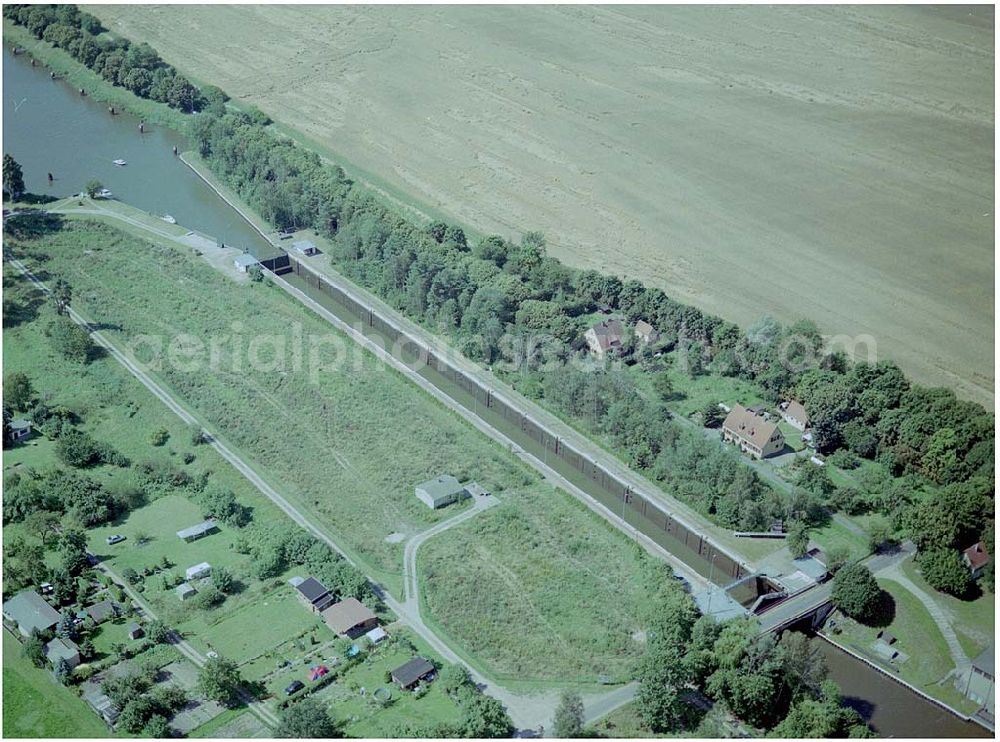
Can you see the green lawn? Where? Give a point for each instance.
(918, 636)
(974, 621)
(510, 611)
(834, 535)
(35, 705)
(691, 395)
(346, 441)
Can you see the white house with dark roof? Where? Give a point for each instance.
(605, 337)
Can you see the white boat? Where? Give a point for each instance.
(168, 219)
(119, 162)
(104, 193)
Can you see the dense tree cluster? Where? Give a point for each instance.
(275, 546)
(508, 301)
(856, 593)
(144, 706)
(768, 683)
(135, 67)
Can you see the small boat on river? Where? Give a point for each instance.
(168, 219)
(119, 162)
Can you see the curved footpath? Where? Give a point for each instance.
(528, 712)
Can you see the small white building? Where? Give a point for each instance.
(440, 491)
(645, 332)
(20, 430)
(197, 571)
(304, 247)
(795, 414)
(376, 635)
(245, 262)
(185, 591)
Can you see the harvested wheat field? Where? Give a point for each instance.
(834, 163)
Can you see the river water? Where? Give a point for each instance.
(50, 127)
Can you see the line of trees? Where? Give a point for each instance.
(496, 298)
(135, 67)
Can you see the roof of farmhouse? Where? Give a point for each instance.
(749, 426)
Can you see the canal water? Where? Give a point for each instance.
(49, 127)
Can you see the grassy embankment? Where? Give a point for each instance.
(974, 621)
(476, 583)
(36, 705)
(349, 449)
(79, 76)
(928, 664)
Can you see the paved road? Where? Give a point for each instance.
(411, 583)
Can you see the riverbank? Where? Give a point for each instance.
(96, 87)
(872, 665)
(193, 160)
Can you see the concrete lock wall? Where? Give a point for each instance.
(639, 510)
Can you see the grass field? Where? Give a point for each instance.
(262, 616)
(35, 705)
(348, 449)
(918, 636)
(477, 586)
(732, 160)
(974, 621)
(363, 716)
(334, 445)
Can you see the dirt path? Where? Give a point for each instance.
(528, 711)
(257, 707)
(412, 584)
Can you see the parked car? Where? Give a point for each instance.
(295, 685)
(116, 539)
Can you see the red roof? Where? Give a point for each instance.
(977, 555)
(317, 672)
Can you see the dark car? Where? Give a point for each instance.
(294, 686)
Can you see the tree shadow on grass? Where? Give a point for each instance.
(21, 312)
(35, 199)
(883, 612)
(32, 225)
